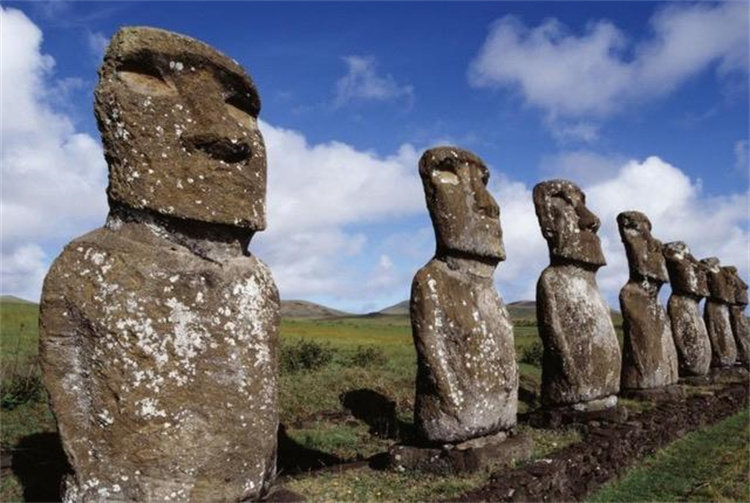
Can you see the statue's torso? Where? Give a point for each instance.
(467, 377)
(159, 362)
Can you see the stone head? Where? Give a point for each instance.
(737, 284)
(567, 224)
(686, 274)
(645, 256)
(464, 214)
(179, 122)
(720, 285)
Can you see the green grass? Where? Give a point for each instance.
(310, 404)
(710, 464)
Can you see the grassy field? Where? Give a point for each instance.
(710, 464)
(352, 401)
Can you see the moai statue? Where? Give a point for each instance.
(716, 315)
(649, 357)
(467, 378)
(582, 360)
(159, 331)
(689, 283)
(740, 327)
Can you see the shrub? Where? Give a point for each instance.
(366, 356)
(533, 354)
(20, 387)
(305, 355)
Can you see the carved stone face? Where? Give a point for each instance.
(464, 214)
(645, 256)
(719, 285)
(740, 287)
(686, 274)
(179, 125)
(567, 225)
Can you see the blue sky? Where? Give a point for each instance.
(644, 104)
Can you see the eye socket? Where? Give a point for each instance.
(238, 110)
(144, 79)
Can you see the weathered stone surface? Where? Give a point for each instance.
(484, 453)
(716, 315)
(689, 285)
(649, 356)
(737, 318)
(158, 334)
(582, 358)
(467, 377)
(180, 130)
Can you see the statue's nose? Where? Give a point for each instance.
(587, 220)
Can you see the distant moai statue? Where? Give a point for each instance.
(689, 282)
(582, 359)
(467, 377)
(740, 328)
(716, 314)
(159, 331)
(649, 357)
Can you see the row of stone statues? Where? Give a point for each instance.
(467, 380)
(159, 331)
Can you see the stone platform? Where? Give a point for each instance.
(603, 410)
(470, 456)
(661, 394)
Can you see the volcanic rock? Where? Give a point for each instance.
(159, 331)
(649, 355)
(582, 359)
(467, 377)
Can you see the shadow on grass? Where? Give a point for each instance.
(378, 412)
(40, 464)
(294, 458)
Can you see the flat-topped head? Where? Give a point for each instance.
(644, 251)
(464, 214)
(179, 124)
(567, 224)
(686, 274)
(720, 285)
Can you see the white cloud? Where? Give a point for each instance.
(675, 204)
(742, 156)
(363, 83)
(98, 43)
(23, 270)
(584, 166)
(601, 71)
(315, 192)
(53, 177)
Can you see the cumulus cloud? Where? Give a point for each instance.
(675, 204)
(362, 83)
(315, 193)
(53, 175)
(599, 71)
(54, 180)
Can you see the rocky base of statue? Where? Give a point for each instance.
(703, 380)
(660, 394)
(602, 410)
(482, 453)
(728, 375)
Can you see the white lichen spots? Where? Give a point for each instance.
(174, 279)
(148, 408)
(199, 298)
(105, 418)
(176, 66)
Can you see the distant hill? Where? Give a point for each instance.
(10, 299)
(309, 310)
(522, 310)
(399, 309)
